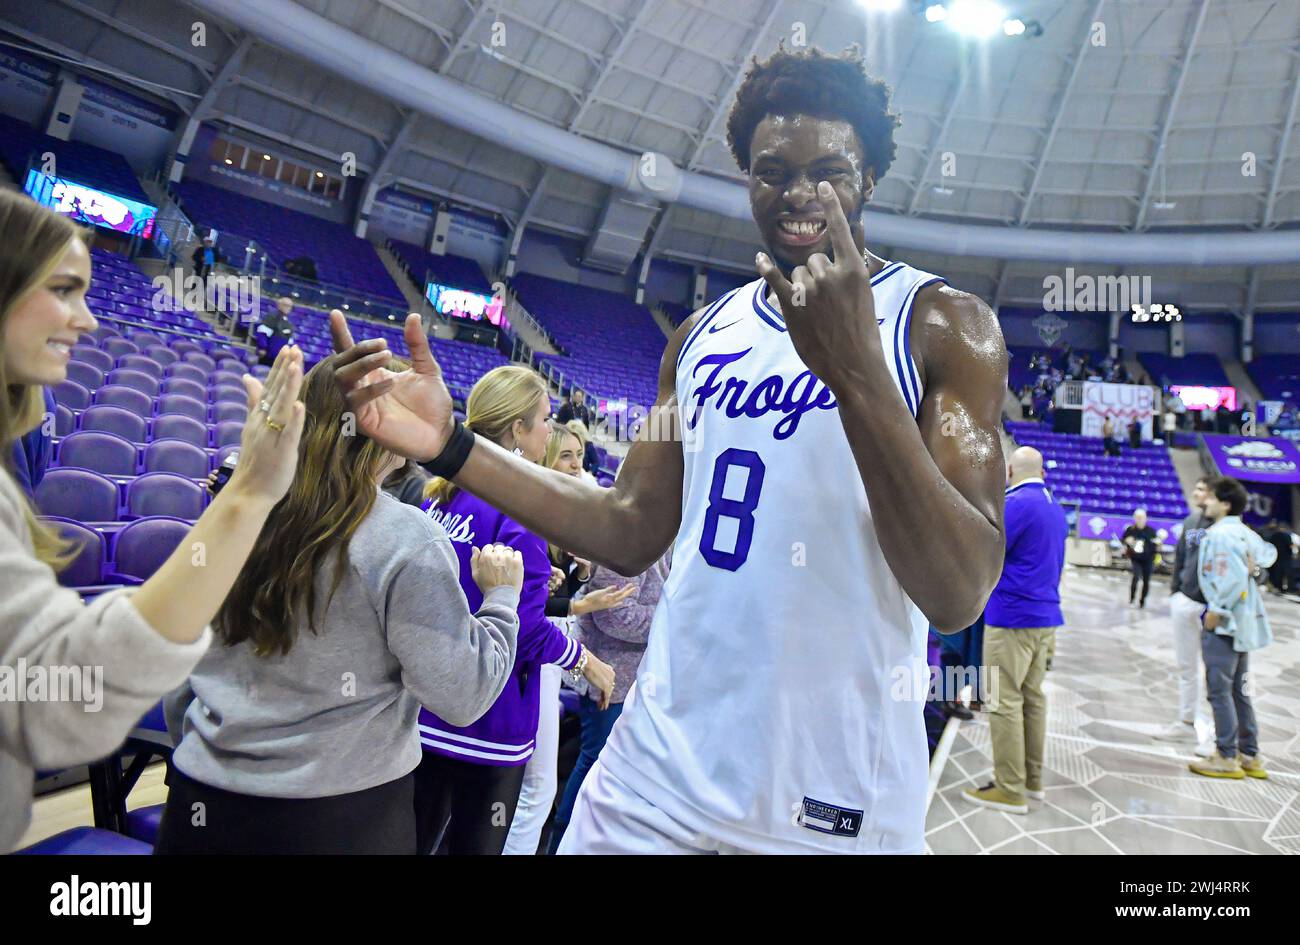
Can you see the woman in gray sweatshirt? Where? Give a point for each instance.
(74, 678)
(298, 728)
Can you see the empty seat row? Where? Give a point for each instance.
(77, 396)
(141, 428)
(86, 496)
(115, 455)
(128, 556)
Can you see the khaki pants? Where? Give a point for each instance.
(1017, 658)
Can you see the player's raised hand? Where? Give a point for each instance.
(408, 412)
(827, 306)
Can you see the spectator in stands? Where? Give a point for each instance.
(1108, 439)
(298, 734)
(1026, 403)
(1134, 433)
(206, 257)
(1021, 620)
(1140, 547)
(139, 642)
(467, 785)
(1168, 424)
(1236, 624)
(617, 635)
(275, 330)
(32, 451)
(569, 574)
(575, 408)
(590, 457)
(1185, 607)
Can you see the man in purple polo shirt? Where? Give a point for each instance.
(1020, 623)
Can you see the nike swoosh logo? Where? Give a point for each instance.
(713, 328)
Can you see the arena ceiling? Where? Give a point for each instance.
(1180, 118)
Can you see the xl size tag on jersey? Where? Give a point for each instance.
(827, 818)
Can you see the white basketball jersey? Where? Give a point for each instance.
(779, 704)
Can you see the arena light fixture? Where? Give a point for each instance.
(978, 18)
(936, 13)
(1013, 27)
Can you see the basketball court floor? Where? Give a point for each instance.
(1111, 787)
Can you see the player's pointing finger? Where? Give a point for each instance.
(837, 223)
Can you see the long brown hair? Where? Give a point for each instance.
(501, 396)
(333, 491)
(32, 242)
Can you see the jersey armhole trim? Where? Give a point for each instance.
(907, 373)
(707, 317)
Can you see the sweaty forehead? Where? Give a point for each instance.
(805, 137)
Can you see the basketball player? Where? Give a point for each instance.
(838, 485)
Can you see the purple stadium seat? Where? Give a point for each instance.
(162, 354)
(223, 452)
(226, 379)
(142, 363)
(227, 432)
(77, 494)
(181, 427)
(164, 493)
(260, 371)
(110, 419)
(128, 398)
(93, 356)
(198, 359)
(225, 393)
(188, 372)
(103, 332)
(87, 841)
(64, 421)
(180, 385)
(87, 569)
(179, 403)
(72, 395)
(175, 455)
(119, 346)
(145, 383)
(87, 375)
(143, 545)
(103, 452)
(142, 823)
(183, 346)
(227, 410)
(143, 338)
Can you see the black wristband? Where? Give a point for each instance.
(447, 463)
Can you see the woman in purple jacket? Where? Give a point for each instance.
(467, 784)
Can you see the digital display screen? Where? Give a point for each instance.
(471, 306)
(1199, 398)
(91, 206)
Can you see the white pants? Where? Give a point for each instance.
(611, 819)
(1192, 704)
(537, 794)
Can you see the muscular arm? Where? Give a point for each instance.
(626, 527)
(936, 484)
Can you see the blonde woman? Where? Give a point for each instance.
(299, 727)
(144, 641)
(471, 774)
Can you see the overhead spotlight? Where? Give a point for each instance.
(936, 13)
(320, 173)
(979, 18)
(943, 191)
(228, 161)
(1014, 27)
(1163, 204)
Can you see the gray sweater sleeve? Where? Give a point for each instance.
(455, 663)
(121, 665)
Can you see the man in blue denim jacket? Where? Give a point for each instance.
(1229, 556)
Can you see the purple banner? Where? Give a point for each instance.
(1098, 527)
(1254, 459)
(1267, 501)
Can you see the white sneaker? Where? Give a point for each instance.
(1039, 795)
(1177, 732)
(1207, 749)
